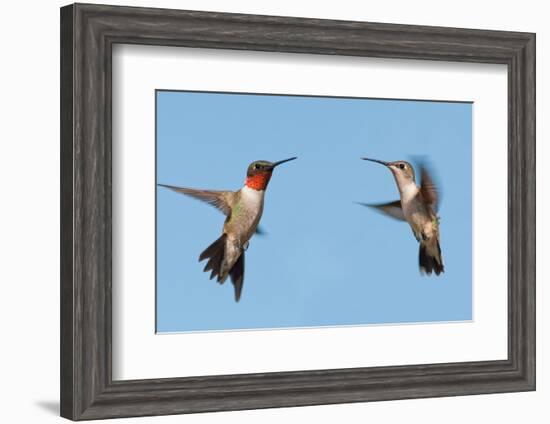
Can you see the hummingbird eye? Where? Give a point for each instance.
(401, 166)
(257, 166)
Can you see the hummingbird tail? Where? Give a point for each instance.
(429, 258)
(237, 276)
(215, 253)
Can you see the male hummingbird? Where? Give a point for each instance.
(418, 206)
(243, 209)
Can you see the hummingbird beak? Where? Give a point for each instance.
(274, 164)
(377, 161)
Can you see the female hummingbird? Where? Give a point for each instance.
(243, 209)
(418, 206)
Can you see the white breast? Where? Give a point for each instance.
(409, 191)
(251, 197)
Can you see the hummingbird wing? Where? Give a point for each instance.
(392, 209)
(260, 231)
(429, 189)
(223, 200)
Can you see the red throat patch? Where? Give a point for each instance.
(258, 181)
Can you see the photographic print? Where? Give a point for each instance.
(275, 206)
(290, 211)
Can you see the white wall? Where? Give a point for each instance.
(29, 224)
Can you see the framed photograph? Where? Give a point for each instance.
(263, 211)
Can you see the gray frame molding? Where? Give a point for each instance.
(88, 33)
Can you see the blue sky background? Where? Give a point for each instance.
(325, 260)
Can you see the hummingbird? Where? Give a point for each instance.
(418, 205)
(243, 210)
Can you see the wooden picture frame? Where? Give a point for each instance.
(88, 33)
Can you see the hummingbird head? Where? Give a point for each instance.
(401, 170)
(259, 173)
